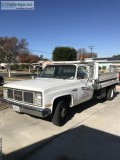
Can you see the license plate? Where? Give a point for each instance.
(16, 108)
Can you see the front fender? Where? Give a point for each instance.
(63, 95)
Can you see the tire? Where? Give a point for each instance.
(19, 112)
(60, 113)
(111, 93)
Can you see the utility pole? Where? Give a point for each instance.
(91, 48)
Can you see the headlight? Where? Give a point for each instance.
(38, 99)
(5, 92)
(38, 96)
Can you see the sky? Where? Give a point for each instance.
(73, 23)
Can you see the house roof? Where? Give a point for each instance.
(108, 58)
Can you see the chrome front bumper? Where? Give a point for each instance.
(35, 111)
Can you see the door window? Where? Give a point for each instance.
(82, 72)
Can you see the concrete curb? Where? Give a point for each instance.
(2, 104)
(118, 86)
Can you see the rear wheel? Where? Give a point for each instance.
(111, 93)
(60, 113)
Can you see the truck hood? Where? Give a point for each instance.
(38, 84)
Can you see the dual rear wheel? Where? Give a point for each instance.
(111, 93)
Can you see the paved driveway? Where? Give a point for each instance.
(91, 132)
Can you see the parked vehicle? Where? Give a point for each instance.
(60, 86)
(1, 80)
(119, 76)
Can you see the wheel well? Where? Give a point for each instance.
(103, 91)
(107, 88)
(66, 98)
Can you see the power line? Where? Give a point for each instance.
(34, 50)
(91, 48)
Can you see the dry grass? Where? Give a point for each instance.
(2, 103)
(1, 91)
(15, 79)
(1, 88)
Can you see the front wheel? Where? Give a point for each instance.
(111, 93)
(60, 113)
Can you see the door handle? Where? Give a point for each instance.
(74, 90)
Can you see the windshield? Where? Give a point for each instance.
(59, 71)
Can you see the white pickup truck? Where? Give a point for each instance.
(60, 86)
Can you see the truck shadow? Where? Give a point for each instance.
(82, 107)
(78, 143)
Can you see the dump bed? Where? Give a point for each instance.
(105, 80)
(107, 76)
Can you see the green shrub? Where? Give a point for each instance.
(104, 67)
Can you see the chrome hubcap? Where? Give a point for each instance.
(112, 92)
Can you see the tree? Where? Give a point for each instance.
(10, 48)
(86, 54)
(7, 49)
(28, 58)
(41, 58)
(64, 54)
(104, 67)
(33, 58)
(116, 56)
(22, 46)
(13, 50)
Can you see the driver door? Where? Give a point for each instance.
(85, 89)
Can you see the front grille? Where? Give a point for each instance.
(18, 95)
(28, 97)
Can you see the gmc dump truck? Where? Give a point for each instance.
(60, 86)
